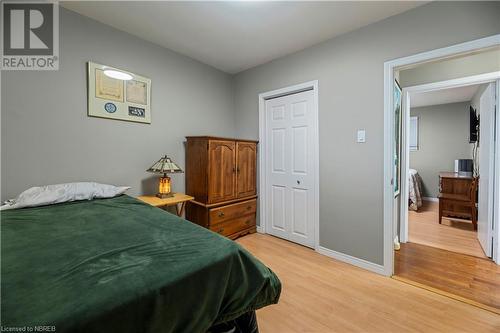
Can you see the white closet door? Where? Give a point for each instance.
(290, 167)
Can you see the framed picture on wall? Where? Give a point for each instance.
(397, 137)
(118, 94)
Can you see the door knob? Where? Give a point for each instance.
(298, 182)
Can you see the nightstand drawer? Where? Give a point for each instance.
(233, 211)
(230, 227)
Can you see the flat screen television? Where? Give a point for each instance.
(473, 125)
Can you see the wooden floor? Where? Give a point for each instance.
(473, 278)
(424, 228)
(321, 294)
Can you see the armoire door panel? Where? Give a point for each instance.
(246, 168)
(221, 171)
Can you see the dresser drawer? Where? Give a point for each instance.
(230, 227)
(229, 212)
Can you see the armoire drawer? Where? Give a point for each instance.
(229, 212)
(230, 227)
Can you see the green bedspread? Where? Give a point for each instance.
(119, 265)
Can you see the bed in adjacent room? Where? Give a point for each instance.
(119, 265)
(415, 190)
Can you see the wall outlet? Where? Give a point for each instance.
(361, 138)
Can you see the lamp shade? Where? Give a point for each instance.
(165, 165)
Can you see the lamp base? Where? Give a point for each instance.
(164, 196)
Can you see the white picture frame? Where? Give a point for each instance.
(111, 98)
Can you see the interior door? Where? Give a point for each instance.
(221, 170)
(246, 168)
(290, 169)
(486, 167)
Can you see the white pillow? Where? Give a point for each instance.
(53, 194)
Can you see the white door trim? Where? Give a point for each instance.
(496, 186)
(405, 163)
(311, 85)
(405, 155)
(389, 67)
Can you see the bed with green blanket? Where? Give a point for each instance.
(119, 265)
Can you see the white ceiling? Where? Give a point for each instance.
(234, 36)
(443, 96)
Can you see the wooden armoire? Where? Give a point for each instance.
(221, 174)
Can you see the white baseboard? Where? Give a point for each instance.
(430, 199)
(376, 268)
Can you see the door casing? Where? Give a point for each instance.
(405, 154)
(388, 189)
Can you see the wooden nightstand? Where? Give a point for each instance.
(178, 200)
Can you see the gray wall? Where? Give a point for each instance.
(48, 138)
(475, 103)
(350, 73)
(443, 138)
(475, 99)
(447, 69)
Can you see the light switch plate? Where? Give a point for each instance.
(361, 136)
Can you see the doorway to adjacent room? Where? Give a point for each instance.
(448, 171)
(443, 174)
(446, 198)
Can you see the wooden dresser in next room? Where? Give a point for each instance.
(221, 175)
